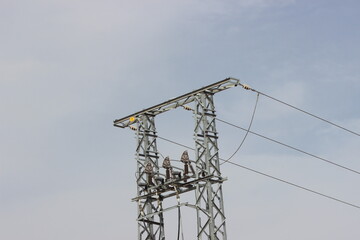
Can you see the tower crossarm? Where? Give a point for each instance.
(178, 101)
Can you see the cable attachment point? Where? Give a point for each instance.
(246, 87)
(188, 108)
(177, 195)
(132, 128)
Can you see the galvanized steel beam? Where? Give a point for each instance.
(149, 228)
(177, 102)
(207, 181)
(209, 197)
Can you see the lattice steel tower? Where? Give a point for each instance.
(154, 186)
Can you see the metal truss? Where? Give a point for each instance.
(206, 180)
(178, 101)
(209, 197)
(150, 227)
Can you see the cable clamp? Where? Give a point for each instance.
(246, 87)
(132, 128)
(187, 108)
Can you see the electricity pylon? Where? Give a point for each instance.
(153, 187)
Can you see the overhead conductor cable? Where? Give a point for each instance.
(272, 177)
(301, 110)
(247, 131)
(291, 147)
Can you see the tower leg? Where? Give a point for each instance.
(209, 196)
(150, 228)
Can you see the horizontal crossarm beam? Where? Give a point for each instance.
(178, 101)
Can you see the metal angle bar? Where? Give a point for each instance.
(204, 227)
(203, 211)
(218, 229)
(168, 186)
(146, 152)
(162, 211)
(179, 101)
(219, 211)
(207, 154)
(172, 106)
(148, 221)
(162, 196)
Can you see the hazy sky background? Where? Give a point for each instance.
(69, 68)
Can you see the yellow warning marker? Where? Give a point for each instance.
(132, 119)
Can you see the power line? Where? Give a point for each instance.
(291, 147)
(180, 227)
(179, 219)
(176, 143)
(154, 186)
(272, 177)
(247, 131)
(295, 185)
(301, 110)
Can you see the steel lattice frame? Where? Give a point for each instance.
(209, 196)
(207, 183)
(150, 226)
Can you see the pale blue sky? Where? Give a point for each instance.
(69, 68)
